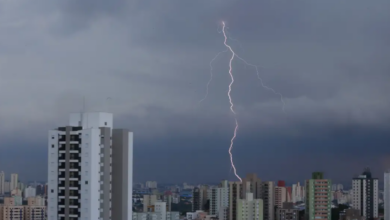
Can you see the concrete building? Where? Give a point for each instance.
(268, 197)
(386, 195)
(365, 195)
(298, 193)
(237, 190)
(280, 196)
(199, 197)
(351, 214)
(219, 200)
(249, 208)
(35, 209)
(7, 187)
(151, 184)
(318, 197)
(2, 183)
(148, 202)
(30, 192)
(84, 175)
(12, 209)
(287, 212)
(14, 181)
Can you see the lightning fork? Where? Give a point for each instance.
(211, 74)
(231, 101)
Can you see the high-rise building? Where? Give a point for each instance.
(318, 197)
(2, 182)
(249, 208)
(268, 197)
(298, 193)
(365, 194)
(235, 191)
(84, 175)
(287, 212)
(386, 195)
(148, 202)
(14, 181)
(199, 198)
(7, 187)
(30, 192)
(280, 196)
(219, 200)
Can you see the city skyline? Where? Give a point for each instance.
(148, 64)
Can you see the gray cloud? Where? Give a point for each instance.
(329, 60)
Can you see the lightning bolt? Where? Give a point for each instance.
(231, 101)
(211, 74)
(261, 81)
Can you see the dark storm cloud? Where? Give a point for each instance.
(329, 59)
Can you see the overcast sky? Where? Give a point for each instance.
(329, 59)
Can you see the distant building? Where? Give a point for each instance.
(14, 181)
(151, 184)
(287, 212)
(199, 197)
(280, 196)
(351, 214)
(386, 195)
(249, 208)
(7, 187)
(268, 197)
(149, 202)
(365, 195)
(29, 192)
(252, 184)
(2, 183)
(318, 199)
(219, 200)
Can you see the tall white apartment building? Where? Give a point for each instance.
(90, 169)
(365, 195)
(2, 182)
(14, 181)
(30, 192)
(219, 200)
(386, 195)
(249, 208)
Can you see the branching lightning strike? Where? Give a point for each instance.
(229, 48)
(231, 101)
(211, 74)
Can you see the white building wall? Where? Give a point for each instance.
(2, 182)
(14, 181)
(130, 177)
(52, 192)
(376, 193)
(29, 192)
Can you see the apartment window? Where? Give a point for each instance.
(105, 123)
(86, 182)
(52, 146)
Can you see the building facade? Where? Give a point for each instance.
(365, 195)
(287, 212)
(280, 196)
(2, 183)
(268, 197)
(219, 200)
(249, 208)
(386, 195)
(81, 175)
(318, 197)
(14, 181)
